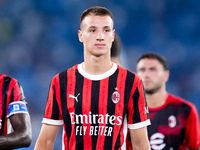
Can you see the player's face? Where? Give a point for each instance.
(152, 74)
(97, 34)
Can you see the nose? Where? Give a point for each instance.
(100, 36)
(146, 74)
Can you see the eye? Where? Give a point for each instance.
(141, 70)
(92, 30)
(153, 69)
(106, 30)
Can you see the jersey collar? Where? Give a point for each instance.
(97, 77)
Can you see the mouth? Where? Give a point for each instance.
(100, 45)
(146, 82)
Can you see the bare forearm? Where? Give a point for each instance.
(21, 135)
(47, 137)
(141, 147)
(139, 139)
(42, 144)
(15, 140)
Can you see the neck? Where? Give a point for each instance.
(156, 99)
(97, 65)
(116, 60)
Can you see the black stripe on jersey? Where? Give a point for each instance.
(118, 142)
(111, 88)
(95, 107)
(63, 90)
(12, 96)
(187, 109)
(145, 99)
(55, 108)
(128, 87)
(136, 115)
(78, 106)
(130, 77)
(5, 87)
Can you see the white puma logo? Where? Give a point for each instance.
(146, 110)
(75, 97)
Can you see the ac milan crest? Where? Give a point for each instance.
(115, 97)
(172, 121)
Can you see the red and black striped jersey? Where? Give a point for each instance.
(96, 109)
(174, 125)
(10, 92)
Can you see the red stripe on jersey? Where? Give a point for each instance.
(130, 104)
(57, 87)
(141, 102)
(54, 90)
(71, 83)
(192, 132)
(17, 92)
(1, 99)
(120, 106)
(86, 108)
(56, 83)
(103, 97)
(49, 104)
(13, 87)
(9, 91)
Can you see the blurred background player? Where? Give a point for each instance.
(116, 50)
(174, 121)
(15, 126)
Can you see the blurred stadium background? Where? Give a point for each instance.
(38, 39)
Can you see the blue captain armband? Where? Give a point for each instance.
(16, 107)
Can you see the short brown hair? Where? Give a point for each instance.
(96, 11)
(152, 55)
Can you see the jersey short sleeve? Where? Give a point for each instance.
(16, 99)
(52, 114)
(15, 91)
(138, 114)
(193, 129)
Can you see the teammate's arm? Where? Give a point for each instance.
(22, 134)
(47, 137)
(139, 139)
(193, 130)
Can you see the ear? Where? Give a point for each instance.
(80, 36)
(167, 73)
(113, 35)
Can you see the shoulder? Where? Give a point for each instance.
(180, 101)
(132, 79)
(8, 79)
(63, 74)
(3, 76)
(129, 73)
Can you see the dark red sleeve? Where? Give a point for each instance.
(193, 129)
(52, 114)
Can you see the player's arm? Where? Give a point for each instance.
(193, 130)
(22, 134)
(47, 137)
(139, 139)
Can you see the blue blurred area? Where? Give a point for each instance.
(38, 39)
